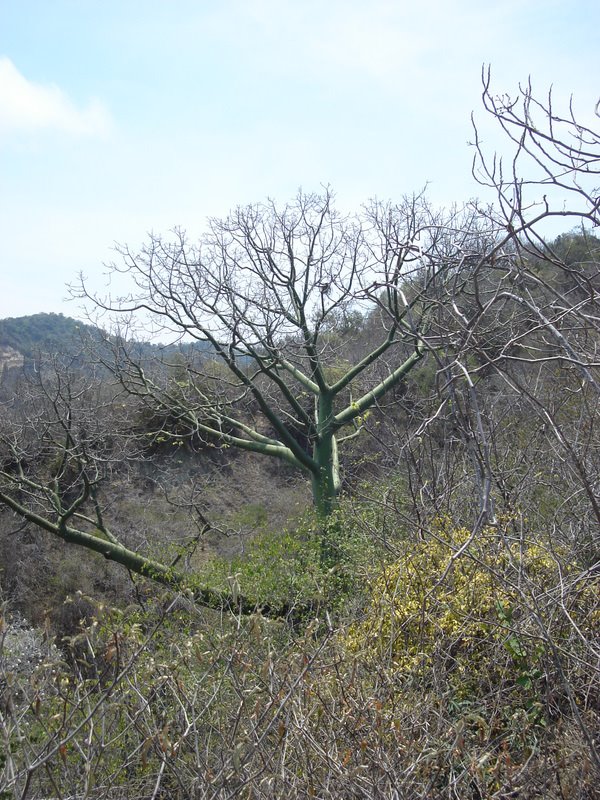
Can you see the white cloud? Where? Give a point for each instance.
(28, 107)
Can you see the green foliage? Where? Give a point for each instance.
(54, 334)
(474, 704)
(45, 333)
(459, 602)
(318, 563)
(477, 621)
(579, 252)
(278, 568)
(579, 247)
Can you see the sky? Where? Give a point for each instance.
(122, 117)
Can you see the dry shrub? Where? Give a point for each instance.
(466, 677)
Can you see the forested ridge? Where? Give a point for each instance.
(37, 336)
(339, 537)
(49, 333)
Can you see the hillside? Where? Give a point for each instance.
(23, 340)
(43, 333)
(437, 629)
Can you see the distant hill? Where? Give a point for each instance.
(24, 339)
(44, 333)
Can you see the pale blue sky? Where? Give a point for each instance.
(122, 116)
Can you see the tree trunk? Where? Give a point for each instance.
(326, 481)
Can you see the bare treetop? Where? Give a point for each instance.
(554, 167)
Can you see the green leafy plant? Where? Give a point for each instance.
(455, 600)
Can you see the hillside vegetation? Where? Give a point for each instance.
(339, 539)
(423, 654)
(43, 333)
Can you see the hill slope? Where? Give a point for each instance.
(43, 333)
(24, 339)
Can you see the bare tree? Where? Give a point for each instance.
(64, 440)
(550, 172)
(264, 290)
(553, 169)
(553, 172)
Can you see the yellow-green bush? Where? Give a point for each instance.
(475, 607)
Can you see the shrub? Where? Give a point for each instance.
(317, 563)
(477, 611)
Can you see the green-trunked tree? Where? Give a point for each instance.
(265, 293)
